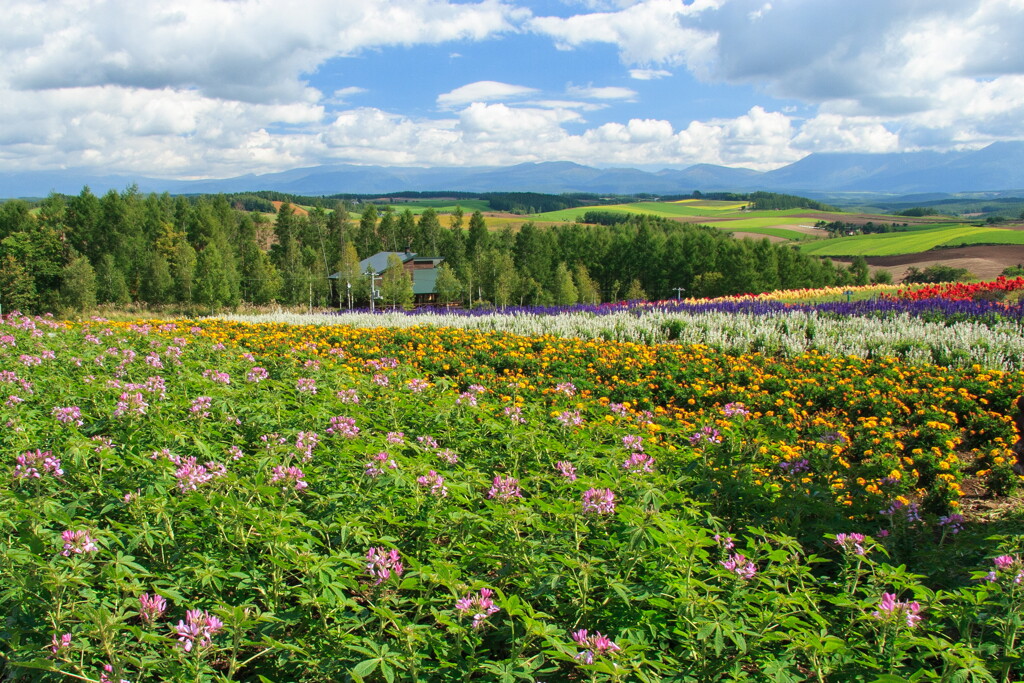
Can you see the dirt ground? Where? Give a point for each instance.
(985, 262)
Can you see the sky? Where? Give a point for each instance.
(220, 88)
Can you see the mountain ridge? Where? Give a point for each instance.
(997, 167)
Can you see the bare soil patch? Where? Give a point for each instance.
(298, 210)
(984, 261)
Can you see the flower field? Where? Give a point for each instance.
(222, 500)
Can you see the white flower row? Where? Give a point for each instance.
(998, 346)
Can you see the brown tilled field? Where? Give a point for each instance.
(986, 262)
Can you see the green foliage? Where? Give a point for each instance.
(78, 286)
(918, 211)
(711, 566)
(449, 287)
(396, 283)
(937, 273)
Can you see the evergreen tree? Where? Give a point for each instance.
(447, 285)
(635, 291)
(388, 231)
(367, 241)
(183, 271)
(17, 287)
(396, 284)
(859, 271)
(455, 219)
(351, 281)
(564, 290)
(405, 231)
(111, 287)
(78, 285)
(477, 241)
(211, 284)
(585, 285)
(157, 284)
(83, 217)
(428, 233)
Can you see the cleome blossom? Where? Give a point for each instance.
(480, 606)
(596, 645)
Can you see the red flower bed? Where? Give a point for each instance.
(961, 291)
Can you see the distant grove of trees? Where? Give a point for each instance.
(72, 252)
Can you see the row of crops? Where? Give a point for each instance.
(227, 500)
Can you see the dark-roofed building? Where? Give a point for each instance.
(423, 270)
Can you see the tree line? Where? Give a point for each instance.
(73, 252)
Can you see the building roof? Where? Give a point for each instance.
(424, 280)
(378, 263)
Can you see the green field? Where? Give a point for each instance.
(711, 204)
(990, 236)
(756, 233)
(895, 243)
(441, 206)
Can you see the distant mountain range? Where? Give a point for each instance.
(998, 167)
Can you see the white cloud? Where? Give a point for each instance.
(603, 93)
(482, 91)
(251, 50)
(649, 32)
(940, 72)
(648, 74)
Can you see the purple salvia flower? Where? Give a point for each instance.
(954, 523)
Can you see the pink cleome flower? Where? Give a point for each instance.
(504, 489)
(197, 630)
(382, 564)
(596, 645)
(481, 606)
(77, 543)
(599, 502)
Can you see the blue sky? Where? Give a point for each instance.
(215, 88)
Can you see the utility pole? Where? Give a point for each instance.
(679, 292)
